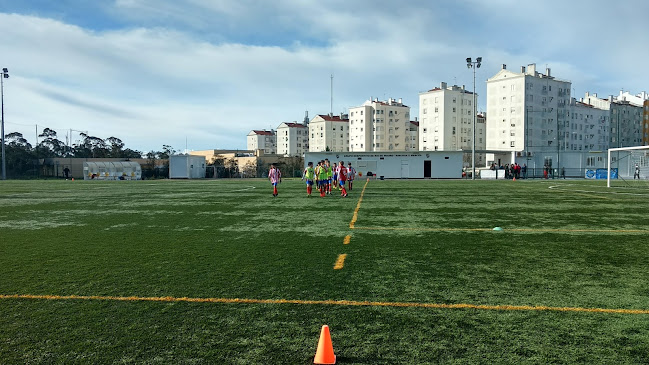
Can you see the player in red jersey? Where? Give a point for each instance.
(342, 177)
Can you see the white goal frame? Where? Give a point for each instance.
(608, 162)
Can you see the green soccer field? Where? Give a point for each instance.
(412, 273)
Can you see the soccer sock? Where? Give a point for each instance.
(308, 189)
(275, 190)
(344, 191)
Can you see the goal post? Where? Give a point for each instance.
(628, 167)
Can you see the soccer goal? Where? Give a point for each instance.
(628, 167)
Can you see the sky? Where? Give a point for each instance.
(201, 74)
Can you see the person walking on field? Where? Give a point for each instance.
(342, 177)
(351, 173)
(636, 173)
(275, 177)
(309, 175)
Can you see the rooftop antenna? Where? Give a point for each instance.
(331, 110)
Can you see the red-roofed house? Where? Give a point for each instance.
(329, 133)
(263, 140)
(292, 139)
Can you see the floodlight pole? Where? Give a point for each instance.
(4, 75)
(474, 65)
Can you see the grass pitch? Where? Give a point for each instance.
(105, 272)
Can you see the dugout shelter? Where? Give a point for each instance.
(113, 170)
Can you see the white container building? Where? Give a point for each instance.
(397, 165)
(187, 167)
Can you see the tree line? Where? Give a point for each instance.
(22, 158)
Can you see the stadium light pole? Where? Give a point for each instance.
(474, 65)
(5, 75)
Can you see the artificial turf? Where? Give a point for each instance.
(564, 244)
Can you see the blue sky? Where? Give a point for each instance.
(206, 72)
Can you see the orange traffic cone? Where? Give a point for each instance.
(325, 352)
(514, 178)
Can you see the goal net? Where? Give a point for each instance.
(628, 167)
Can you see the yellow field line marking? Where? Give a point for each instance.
(330, 302)
(347, 239)
(441, 229)
(340, 262)
(358, 206)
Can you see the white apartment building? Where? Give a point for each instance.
(378, 126)
(527, 112)
(412, 138)
(626, 120)
(329, 133)
(587, 128)
(262, 140)
(446, 120)
(292, 139)
(641, 100)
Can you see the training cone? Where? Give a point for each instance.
(325, 352)
(514, 178)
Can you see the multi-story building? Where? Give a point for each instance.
(625, 119)
(329, 133)
(379, 126)
(412, 138)
(446, 119)
(292, 139)
(587, 128)
(640, 100)
(645, 123)
(527, 112)
(262, 140)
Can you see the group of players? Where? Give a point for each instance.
(325, 176)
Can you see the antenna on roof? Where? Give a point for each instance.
(331, 110)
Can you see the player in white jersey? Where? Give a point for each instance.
(351, 173)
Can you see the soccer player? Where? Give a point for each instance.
(275, 176)
(309, 175)
(342, 177)
(322, 177)
(351, 173)
(329, 176)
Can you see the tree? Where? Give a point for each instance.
(19, 155)
(50, 146)
(166, 152)
(293, 166)
(116, 147)
(91, 147)
(250, 169)
(231, 167)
